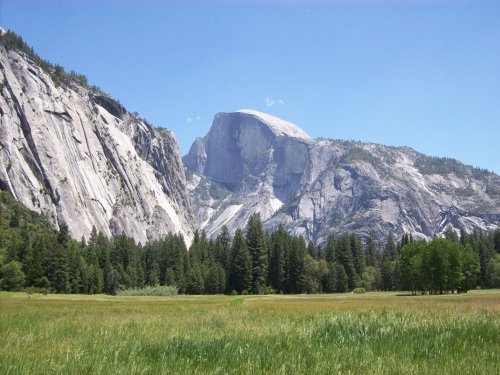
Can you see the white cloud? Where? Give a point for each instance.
(271, 102)
(191, 119)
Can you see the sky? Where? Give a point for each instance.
(417, 73)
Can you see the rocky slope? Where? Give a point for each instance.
(79, 157)
(252, 162)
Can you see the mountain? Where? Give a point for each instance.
(252, 162)
(78, 156)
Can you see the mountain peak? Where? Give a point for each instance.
(251, 162)
(278, 126)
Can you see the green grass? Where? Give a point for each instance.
(372, 333)
(159, 291)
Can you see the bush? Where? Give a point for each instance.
(161, 291)
(34, 290)
(359, 290)
(268, 290)
(12, 277)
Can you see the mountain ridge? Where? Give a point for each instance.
(332, 185)
(78, 156)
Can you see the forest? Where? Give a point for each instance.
(35, 257)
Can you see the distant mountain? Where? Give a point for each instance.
(253, 162)
(78, 156)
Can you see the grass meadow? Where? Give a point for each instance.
(372, 333)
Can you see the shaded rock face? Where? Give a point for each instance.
(252, 162)
(81, 158)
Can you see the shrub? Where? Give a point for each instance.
(359, 290)
(268, 290)
(12, 277)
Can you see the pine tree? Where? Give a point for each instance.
(35, 261)
(215, 282)
(330, 249)
(357, 254)
(493, 272)
(241, 264)
(328, 282)
(470, 268)
(258, 251)
(405, 240)
(63, 235)
(76, 267)
(195, 282)
(341, 280)
(464, 237)
(57, 272)
(222, 249)
(371, 251)
(343, 256)
(58, 269)
(154, 274)
(311, 250)
(277, 266)
(296, 260)
(496, 240)
(390, 248)
(450, 234)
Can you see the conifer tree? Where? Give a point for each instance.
(258, 251)
(195, 283)
(341, 279)
(241, 264)
(296, 259)
(277, 265)
(371, 251)
(357, 254)
(35, 261)
(343, 256)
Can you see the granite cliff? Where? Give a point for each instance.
(78, 156)
(253, 162)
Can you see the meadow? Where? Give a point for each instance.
(372, 333)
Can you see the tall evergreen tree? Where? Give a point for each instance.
(343, 256)
(34, 266)
(357, 254)
(277, 265)
(241, 264)
(341, 279)
(222, 249)
(257, 247)
(390, 248)
(371, 251)
(58, 269)
(450, 234)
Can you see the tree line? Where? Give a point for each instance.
(33, 255)
(11, 41)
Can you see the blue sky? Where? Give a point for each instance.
(424, 74)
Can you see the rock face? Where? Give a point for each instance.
(252, 162)
(79, 157)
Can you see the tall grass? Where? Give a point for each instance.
(159, 291)
(372, 333)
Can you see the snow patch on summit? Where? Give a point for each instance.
(278, 126)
